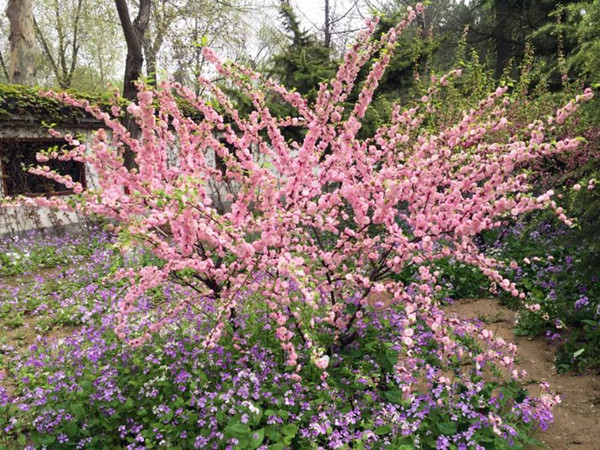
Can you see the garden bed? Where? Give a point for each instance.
(53, 316)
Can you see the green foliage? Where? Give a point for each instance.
(575, 27)
(16, 260)
(462, 281)
(305, 62)
(92, 388)
(561, 286)
(555, 286)
(587, 53)
(27, 103)
(154, 394)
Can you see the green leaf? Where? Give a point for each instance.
(77, 411)
(393, 396)
(447, 428)
(45, 439)
(256, 441)
(278, 446)
(71, 428)
(520, 332)
(258, 416)
(238, 430)
(290, 430)
(384, 429)
(534, 441)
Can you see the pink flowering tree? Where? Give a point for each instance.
(322, 228)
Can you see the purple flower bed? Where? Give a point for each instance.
(93, 390)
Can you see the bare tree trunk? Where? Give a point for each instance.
(134, 36)
(22, 42)
(162, 16)
(327, 24)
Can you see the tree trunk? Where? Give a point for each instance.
(134, 35)
(151, 65)
(22, 42)
(327, 42)
(503, 47)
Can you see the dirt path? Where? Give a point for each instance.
(577, 418)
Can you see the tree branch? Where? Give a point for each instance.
(46, 48)
(75, 46)
(3, 65)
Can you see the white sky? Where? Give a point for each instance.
(311, 11)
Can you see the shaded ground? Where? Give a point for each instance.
(577, 418)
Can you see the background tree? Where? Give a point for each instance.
(80, 42)
(4, 25)
(134, 35)
(575, 25)
(63, 53)
(305, 61)
(226, 26)
(502, 29)
(101, 59)
(587, 54)
(22, 41)
(162, 16)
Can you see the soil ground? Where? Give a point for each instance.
(577, 418)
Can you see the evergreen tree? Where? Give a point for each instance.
(305, 62)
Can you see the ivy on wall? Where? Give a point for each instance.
(28, 103)
(25, 102)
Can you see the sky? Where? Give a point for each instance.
(311, 11)
(312, 17)
(351, 15)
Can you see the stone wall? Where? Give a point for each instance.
(22, 132)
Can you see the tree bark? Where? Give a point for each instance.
(151, 64)
(327, 42)
(3, 65)
(134, 36)
(162, 16)
(22, 42)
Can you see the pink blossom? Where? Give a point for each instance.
(322, 362)
(289, 222)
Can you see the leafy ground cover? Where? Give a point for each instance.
(69, 382)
